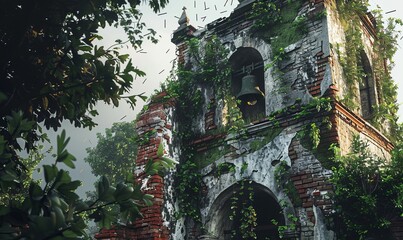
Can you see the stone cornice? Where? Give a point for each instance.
(362, 126)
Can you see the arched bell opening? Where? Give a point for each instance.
(247, 82)
(264, 203)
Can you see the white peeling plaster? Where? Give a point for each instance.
(320, 231)
(171, 153)
(180, 229)
(138, 170)
(256, 162)
(327, 80)
(144, 182)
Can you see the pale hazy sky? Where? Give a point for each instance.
(155, 60)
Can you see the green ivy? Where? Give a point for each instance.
(282, 175)
(278, 23)
(208, 66)
(367, 192)
(225, 167)
(243, 213)
(385, 46)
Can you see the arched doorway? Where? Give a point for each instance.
(264, 204)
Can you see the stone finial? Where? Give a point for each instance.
(184, 19)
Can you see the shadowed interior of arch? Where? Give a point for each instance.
(265, 205)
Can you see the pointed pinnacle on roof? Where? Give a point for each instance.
(184, 19)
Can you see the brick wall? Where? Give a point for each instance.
(154, 127)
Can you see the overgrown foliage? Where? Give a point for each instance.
(243, 214)
(209, 65)
(385, 46)
(277, 22)
(115, 153)
(30, 163)
(367, 192)
(51, 70)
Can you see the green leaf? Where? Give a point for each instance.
(35, 191)
(107, 194)
(62, 154)
(62, 142)
(8, 175)
(115, 101)
(62, 177)
(68, 160)
(85, 48)
(123, 57)
(50, 172)
(60, 218)
(68, 187)
(122, 192)
(70, 234)
(100, 189)
(41, 225)
(147, 198)
(106, 219)
(160, 151)
(79, 227)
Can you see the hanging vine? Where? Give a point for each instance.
(209, 66)
(281, 17)
(243, 213)
(384, 48)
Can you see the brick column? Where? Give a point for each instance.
(154, 121)
(154, 129)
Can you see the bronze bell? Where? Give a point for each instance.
(250, 91)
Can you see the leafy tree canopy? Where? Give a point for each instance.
(115, 153)
(50, 71)
(368, 192)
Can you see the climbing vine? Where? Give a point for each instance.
(384, 48)
(282, 176)
(243, 214)
(208, 66)
(277, 22)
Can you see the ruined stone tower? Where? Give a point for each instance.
(265, 159)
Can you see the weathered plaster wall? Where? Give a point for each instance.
(305, 73)
(310, 69)
(259, 170)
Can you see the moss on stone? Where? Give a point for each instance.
(268, 136)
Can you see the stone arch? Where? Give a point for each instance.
(267, 206)
(244, 61)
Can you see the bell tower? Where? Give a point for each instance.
(258, 99)
(292, 94)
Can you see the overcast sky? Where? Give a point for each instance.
(156, 61)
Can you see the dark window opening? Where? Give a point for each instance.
(367, 87)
